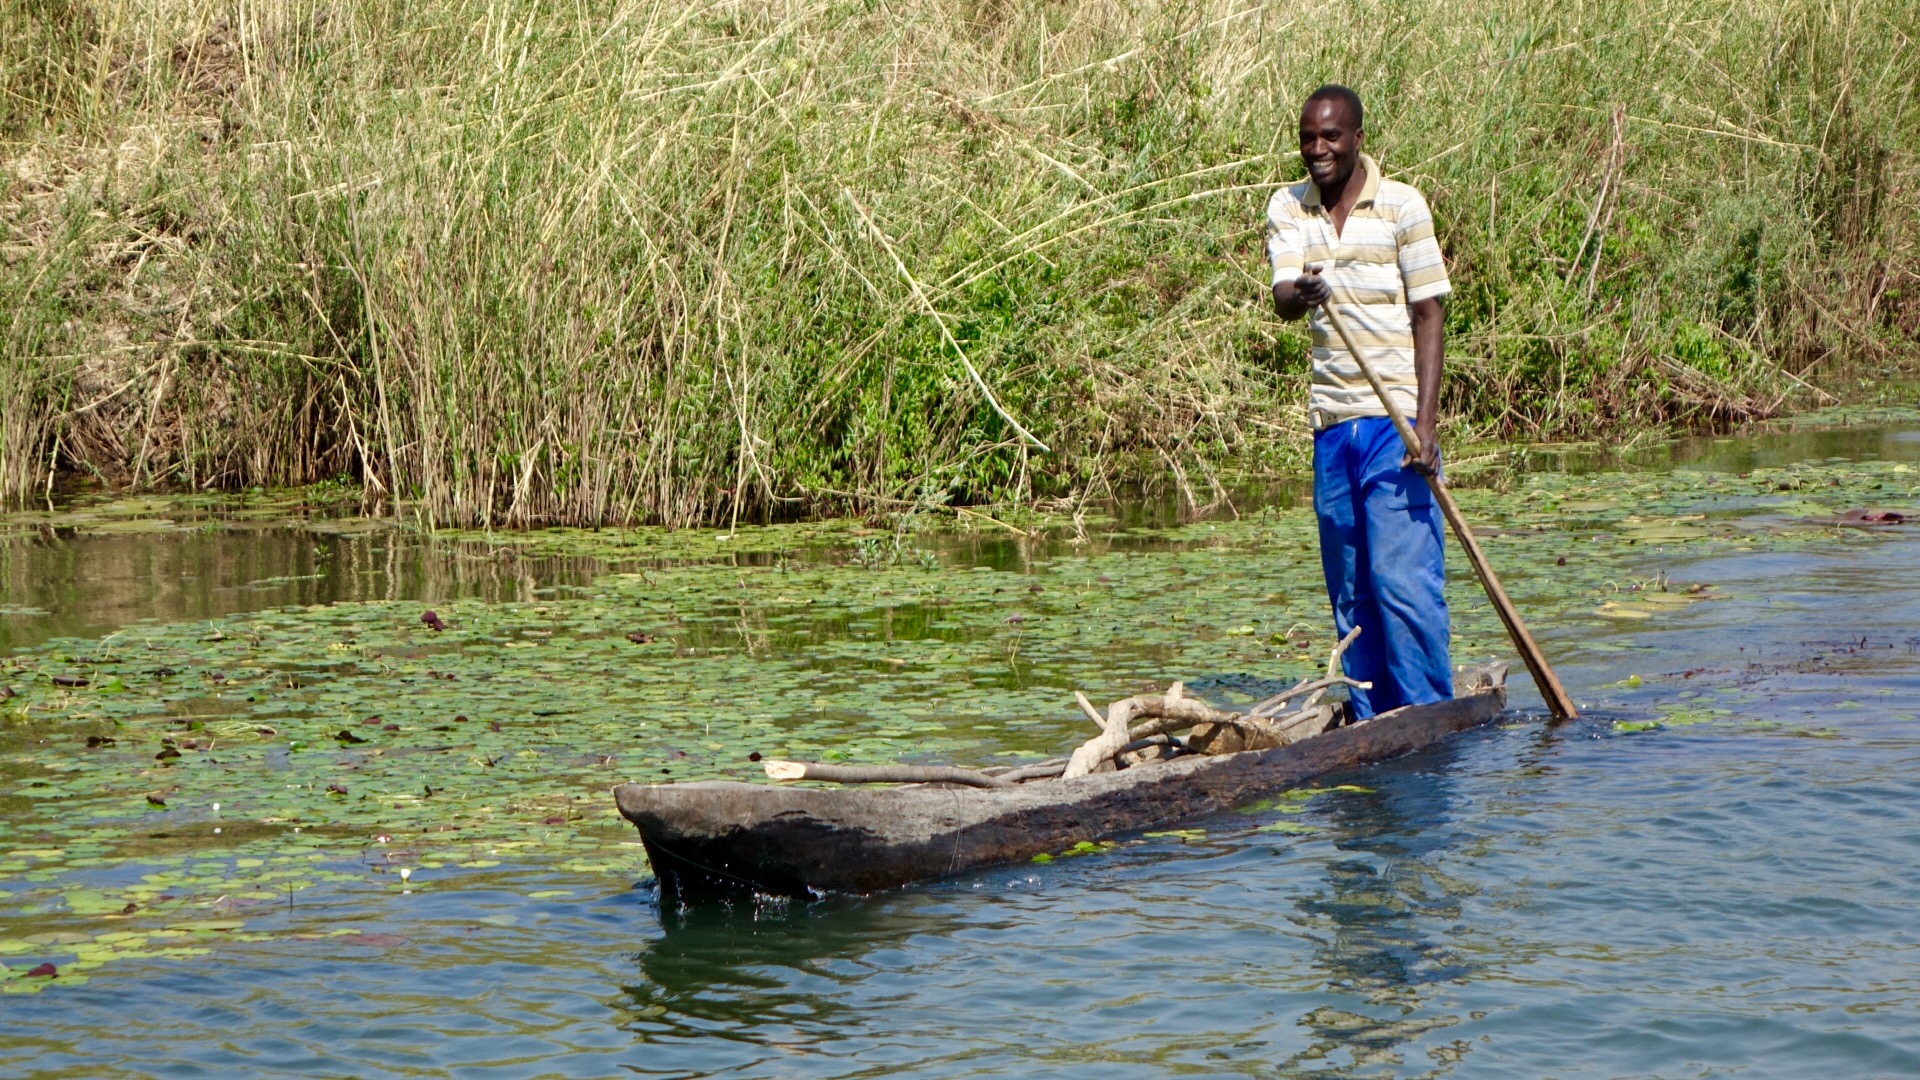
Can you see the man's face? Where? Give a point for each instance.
(1329, 141)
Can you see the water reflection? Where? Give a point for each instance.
(52, 586)
(1726, 453)
(773, 980)
(1373, 919)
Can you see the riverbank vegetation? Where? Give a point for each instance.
(519, 262)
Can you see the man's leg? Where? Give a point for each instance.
(1344, 558)
(1405, 556)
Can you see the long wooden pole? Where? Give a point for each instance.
(1543, 677)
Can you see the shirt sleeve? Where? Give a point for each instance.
(1422, 268)
(1286, 246)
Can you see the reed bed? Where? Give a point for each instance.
(507, 262)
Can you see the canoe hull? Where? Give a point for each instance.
(725, 839)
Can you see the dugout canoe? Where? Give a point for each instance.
(722, 839)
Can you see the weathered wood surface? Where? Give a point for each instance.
(882, 774)
(725, 838)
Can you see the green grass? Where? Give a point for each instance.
(510, 263)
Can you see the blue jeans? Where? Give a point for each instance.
(1381, 550)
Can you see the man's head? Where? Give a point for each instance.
(1331, 135)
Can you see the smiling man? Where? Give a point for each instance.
(1349, 237)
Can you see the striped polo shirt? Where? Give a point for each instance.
(1384, 260)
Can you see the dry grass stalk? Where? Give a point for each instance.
(511, 264)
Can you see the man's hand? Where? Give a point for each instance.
(1292, 299)
(1428, 463)
(1311, 288)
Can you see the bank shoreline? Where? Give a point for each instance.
(1473, 464)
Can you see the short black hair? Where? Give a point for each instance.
(1336, 92)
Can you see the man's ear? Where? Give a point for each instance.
(1360, 139)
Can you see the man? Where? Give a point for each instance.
(1349, 237)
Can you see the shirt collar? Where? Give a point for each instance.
(1369, 186)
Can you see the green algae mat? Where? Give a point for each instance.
(164, 784)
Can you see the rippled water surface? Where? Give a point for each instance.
(1730, 892)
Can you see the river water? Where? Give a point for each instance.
(1729, 893)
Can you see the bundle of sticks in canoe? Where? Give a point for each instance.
(1134, 731)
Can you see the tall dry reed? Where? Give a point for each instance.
(517, 261)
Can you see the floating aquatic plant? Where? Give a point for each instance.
(163, 781)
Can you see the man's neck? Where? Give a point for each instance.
(1335, 200)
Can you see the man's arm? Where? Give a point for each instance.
(1293, 299)
(1297, 288)
(1428, 351)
